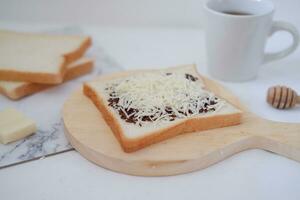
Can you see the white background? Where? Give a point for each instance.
(163, 13)
(170, 35)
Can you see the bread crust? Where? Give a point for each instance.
(78, 53)
(31, 88)
(182, 126)
(47, 78)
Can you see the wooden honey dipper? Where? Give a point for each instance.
(282, 97)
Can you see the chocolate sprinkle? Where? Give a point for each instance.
(190, 77)
(130, 115)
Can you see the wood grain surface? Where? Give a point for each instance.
(92, 138)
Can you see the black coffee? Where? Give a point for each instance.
(236, 13)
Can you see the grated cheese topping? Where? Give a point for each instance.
(160, 97)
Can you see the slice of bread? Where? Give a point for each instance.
(17, 90)
(149, 107)
(38, 58)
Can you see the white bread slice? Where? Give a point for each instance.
(133, 137)
(17, 90)
(38, 58)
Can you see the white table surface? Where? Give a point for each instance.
(253, 174)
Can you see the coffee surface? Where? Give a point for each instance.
(236, 13)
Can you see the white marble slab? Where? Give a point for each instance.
(45, 107)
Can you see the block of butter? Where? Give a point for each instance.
(14, 125)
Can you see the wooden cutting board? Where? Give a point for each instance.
(92, 138)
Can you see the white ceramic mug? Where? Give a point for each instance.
(235, 43)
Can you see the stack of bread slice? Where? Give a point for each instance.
(30, 62)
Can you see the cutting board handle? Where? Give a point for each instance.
(278, 137)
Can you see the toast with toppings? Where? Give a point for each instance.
(152, 106)
(17, 90)
(38, 58)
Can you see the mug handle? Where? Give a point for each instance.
(283, 26)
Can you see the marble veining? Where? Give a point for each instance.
(42, 143)
(45, 108)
